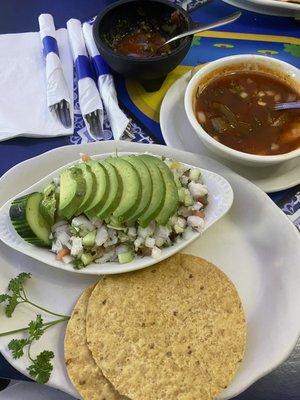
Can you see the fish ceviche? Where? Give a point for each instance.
(114, 209)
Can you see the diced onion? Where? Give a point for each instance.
(201, 117)
(244, 95)
(261, 103)
(274, 147)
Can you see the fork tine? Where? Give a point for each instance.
(97, 125)
(127, 132)
(61, 114)
(94, 124)
(58, 113)
(67, 113)
(88, 119)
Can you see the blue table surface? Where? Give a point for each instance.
(21, 16)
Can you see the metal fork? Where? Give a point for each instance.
(62, 111)
(93, 120)
(127, 134)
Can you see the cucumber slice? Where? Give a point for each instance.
(89, 239)
(86, 258)
(125, 257)
(27, 220)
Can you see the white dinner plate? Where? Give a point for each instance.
(269, 7)
(178, 132)
(220, 201)
(254, 244)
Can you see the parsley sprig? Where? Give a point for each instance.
(17, 295)
(40, 367)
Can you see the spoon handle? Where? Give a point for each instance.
(287, 106)
(200, 28)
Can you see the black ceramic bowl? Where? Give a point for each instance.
(150, 71)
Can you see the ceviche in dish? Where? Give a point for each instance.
(114, 209)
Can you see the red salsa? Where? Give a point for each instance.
(237, 109)
(142, 42)
(146, 35)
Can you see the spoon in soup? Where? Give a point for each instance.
(200, 28)
(294, 105)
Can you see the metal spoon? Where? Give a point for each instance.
(200, 28)
(287, 106)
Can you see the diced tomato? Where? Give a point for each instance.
(202, 200)
(200, 214)
(63, 252)
(85, 157)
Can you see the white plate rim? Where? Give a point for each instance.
(243, 180)
(276, 8)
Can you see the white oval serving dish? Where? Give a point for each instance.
(220, 201)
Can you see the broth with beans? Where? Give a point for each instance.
(237, 110)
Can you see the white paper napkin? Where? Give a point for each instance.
(118, 120)
(57, 88)
(23, 100)
(89, 97)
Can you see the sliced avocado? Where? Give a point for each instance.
(91, 187)
(171, 201)
(72, 191)
(146, 183)
(158, 192)
(131, 194)
(48, 204)
(101, 190)
(115, 191)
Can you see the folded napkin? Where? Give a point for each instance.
(89, 97)
(57, 88)
(116, 116)
(23, 100)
